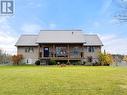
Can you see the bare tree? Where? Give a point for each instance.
(4, 57)
(1, 57)
(16, 59)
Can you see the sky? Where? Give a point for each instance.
(91, 16)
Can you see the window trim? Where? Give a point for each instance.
(29, 50)
(91, 49)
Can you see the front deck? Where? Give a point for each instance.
(60, 58)
(61, 52)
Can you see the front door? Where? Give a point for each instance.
(46, 52)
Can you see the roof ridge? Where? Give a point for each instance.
(91, 34)
(29, 35)
(63, 30)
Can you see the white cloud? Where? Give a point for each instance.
(7, 40)
(96, 24)
(8, 37)
(31, 28)
(114, 21)
(52, 26)
(114, 44)
(107, 38)
(106, 6)
(34, 4)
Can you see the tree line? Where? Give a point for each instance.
(10, 59)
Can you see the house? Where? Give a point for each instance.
(60, 45)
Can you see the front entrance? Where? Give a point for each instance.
(46, 52)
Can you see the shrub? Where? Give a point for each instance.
(16, 59)
(125, 58)
(105, 59)
(96, 64)
(58, 63)
(62, 65)
(84, 62)
(79, 63)
(88, 63)
(37, 62)
(76, 63)
(52, 62)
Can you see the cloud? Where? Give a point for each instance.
(7, 39)
(106, 5)
(52, 26)
(9, 36)
(35, 4)
(31, 28)
(96, 24)
(114, 21)
(107, 38)
(114, 44)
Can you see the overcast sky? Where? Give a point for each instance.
(92, 16)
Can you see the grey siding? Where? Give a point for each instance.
(94, 55)
(29, 57)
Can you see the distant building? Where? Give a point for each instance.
(59, 45)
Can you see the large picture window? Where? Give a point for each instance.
(75, 52)
(61, 51)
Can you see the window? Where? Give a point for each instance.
(91, 49)
(61, 51)
(75, 52)
(27, 61)
(46, 49)
(30, 49)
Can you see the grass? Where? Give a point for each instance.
(55, 80)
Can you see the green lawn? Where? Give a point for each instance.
(55, 80)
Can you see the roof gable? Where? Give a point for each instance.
(27, 40)
(92, 40)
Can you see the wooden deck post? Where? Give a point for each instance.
(82, 57)
(39, 51)
(68, 49)
(82, 51)
(53, 50)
